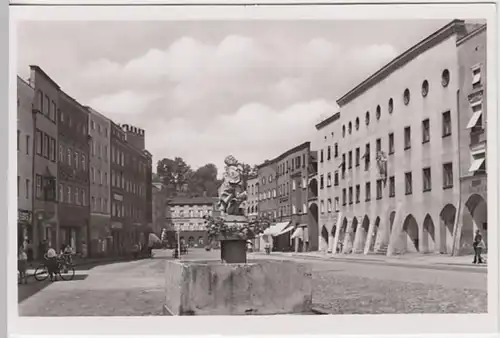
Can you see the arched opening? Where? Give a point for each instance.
(342, 234)
(313, 188)
(311, 243)
(324, 239)
(475, 217)
(182, 240)
(352, 235)
(363, 234)
(373, 238)
(200, 241)
(191, 241)
(447, 221)
(410, 231)
(428, 236)
(392, 216)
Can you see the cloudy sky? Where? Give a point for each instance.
(203, 90)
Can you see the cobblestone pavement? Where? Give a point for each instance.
(137, 289)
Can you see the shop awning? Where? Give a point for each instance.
(287, 229)
(298, 233)
(473, 120)
(274, 230)
(153, 238)
(476, 164)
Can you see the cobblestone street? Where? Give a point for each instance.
(137, 289)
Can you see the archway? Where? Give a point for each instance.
(373, 238)
(313, 188)
(312, 228)
(447, 222)
(324, 239)
(428, 237)
(392, 216)
(475, 217)
(191, 241)
(363, 234)
(410, 242)
(342, 233)
(352, 235)
(200, 241)
(182, 240)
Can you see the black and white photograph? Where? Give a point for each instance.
(244, 166)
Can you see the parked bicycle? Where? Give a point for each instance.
(64, 269)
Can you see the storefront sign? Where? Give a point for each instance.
(24, 216)
(116, 225)
(118, 197)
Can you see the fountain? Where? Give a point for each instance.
(233, 286)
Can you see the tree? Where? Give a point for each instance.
(204, 181)
(247, 172)
(175, 173)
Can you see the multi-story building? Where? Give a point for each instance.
(73, 174)
(472, 117)
(119, 223)
(99, 172)
(185, 214)
(284, 196)
(159, 204)
(45, 107)
(253, 196)
(329, 173)
(25, 97)
(399, 188)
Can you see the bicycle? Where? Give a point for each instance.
(65, 270)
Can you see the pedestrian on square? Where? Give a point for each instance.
(51, 262)
(478, 248)
(22, 265)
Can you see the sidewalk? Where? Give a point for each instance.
(77, 261)
(417, 260)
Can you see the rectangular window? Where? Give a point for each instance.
(322, 208)
(391, 143)
(329, 180)
(39, 142)
(61, 153)
(407, 138)
(336, 150)
(343, 165)
(329, 154)
(92, 174)
(76, 160)
(46, 109)
(336, 178)
(358, 193)
(297, 162)
(476, 77)
(367, 156)
(337, 204)
(379, 189)
(378, 145)
(52, 149)
(84, 162)
(426, 178)
(27, 185)
(46, 145)
(68, 194)
(426, 131)
(350, 195)
(49, 187)
(38, 186)
(61, 193)
(28, 146)
(447, 175)
(344, 197)
(321, 182)
(321, 156)
(475, 123)
(357, 157)
(329, 205)
(53, 112)
(446, 123)
(392, 186)
(350, 159)
(77, 196)
(408, 183)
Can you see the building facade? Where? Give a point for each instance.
(45, 107)
(73, 174)
(472, 138)
(185, 215)
(25, 99)
(119, 223)
(329, 173)
(399, 187)
(253, 196)
(267, 174)
(99, 177)
(159, 205)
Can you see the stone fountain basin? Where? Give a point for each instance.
(255, 288)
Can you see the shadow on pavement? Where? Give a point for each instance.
(25, 291)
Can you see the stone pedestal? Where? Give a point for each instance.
(233, 251)
(257, 288)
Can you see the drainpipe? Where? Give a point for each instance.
(459, 207)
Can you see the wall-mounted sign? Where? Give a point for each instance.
(116, 225)
(24, 216)
(118, 197)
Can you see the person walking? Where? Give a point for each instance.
(22, 265)
(478, 245)
(51, 261)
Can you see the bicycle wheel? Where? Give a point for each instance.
(41, 273)
(67, 272)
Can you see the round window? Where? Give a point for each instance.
(445, 78)
(367, 118)
(391, 105)
(406, 96)
(425, 88)
(378, 112)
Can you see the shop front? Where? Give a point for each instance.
(25, 231)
